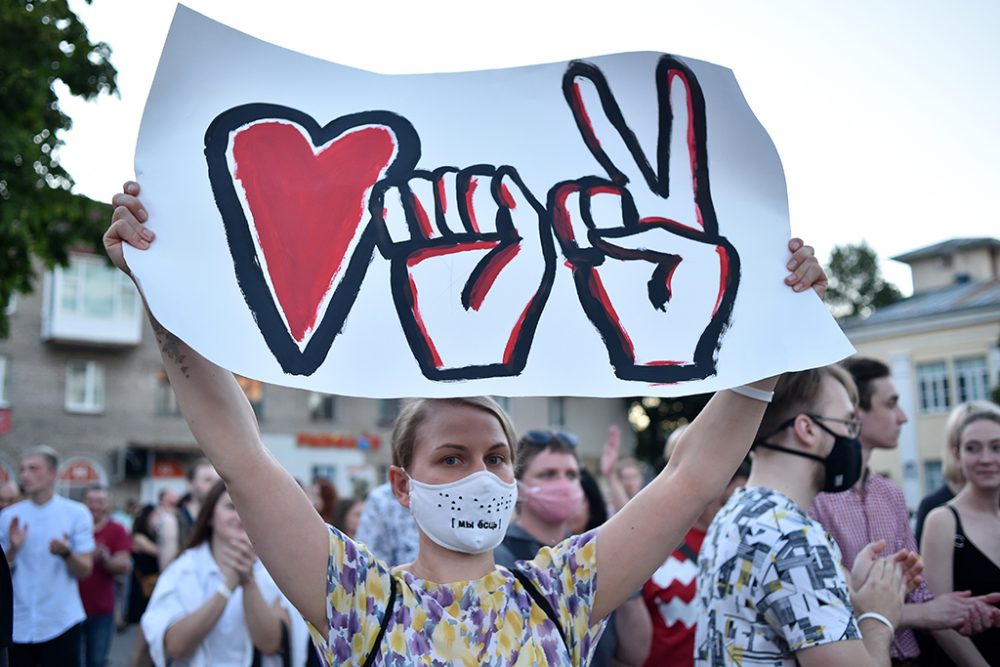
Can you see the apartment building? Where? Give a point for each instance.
(80, 372)
(943, 345)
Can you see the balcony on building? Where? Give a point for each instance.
(90, 303)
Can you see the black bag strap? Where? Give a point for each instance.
(385, 622)
(286, 647)
(686, 549)
(285, 652)
(540, 600)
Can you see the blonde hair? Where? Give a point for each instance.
(404, 433)
(50, 455)
(963, 415)
(797, 393)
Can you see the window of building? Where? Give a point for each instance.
(254, 389)
(4, 389)
(84, 387)
(324, 471)
(88, 287)
(972, 379)
(166, 400)
(557, 411)
(388, 410)
(11, 306)
(932, 382)
(933, 475)
(322, 407)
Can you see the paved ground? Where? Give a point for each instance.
(121, 647)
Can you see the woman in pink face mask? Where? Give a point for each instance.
(549, 495)
(549, 499)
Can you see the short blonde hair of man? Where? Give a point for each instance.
(798, 393)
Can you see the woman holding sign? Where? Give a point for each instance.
(453, 467)
(453, 459)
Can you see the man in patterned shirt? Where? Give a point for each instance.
(771, 587)
(874, 509)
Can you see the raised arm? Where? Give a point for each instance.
(636, 540)
(221, 419)
(617, 497)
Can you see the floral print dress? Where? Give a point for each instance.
(489, 621)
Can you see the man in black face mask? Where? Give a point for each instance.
(874, 509)
(771, 588)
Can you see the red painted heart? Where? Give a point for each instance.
(307, 206)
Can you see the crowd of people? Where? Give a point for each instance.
(766, 539)
(806, 556)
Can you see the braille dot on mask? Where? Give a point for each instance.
(439, 505)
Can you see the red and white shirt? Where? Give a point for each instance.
(670, 597)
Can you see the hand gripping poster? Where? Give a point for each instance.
(614, 225)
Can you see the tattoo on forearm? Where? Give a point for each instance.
(170, 345)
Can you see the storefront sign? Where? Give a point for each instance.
(337, 440)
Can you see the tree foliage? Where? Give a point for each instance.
(654, 419)
(856, 283)
(42, 42)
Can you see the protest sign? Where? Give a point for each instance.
(610, 226)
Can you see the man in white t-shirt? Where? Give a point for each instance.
(49, 543)
(771, 587)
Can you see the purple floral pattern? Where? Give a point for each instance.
(490, 621)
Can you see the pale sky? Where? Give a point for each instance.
(884, 113)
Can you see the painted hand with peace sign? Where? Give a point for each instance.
(643, 242)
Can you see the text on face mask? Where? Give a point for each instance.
(482, 524)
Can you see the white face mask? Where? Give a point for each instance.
(469, 515)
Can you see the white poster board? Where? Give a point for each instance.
(609, 226)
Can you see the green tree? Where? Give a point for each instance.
(42, 42)
(856, 283)
(654, 419)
